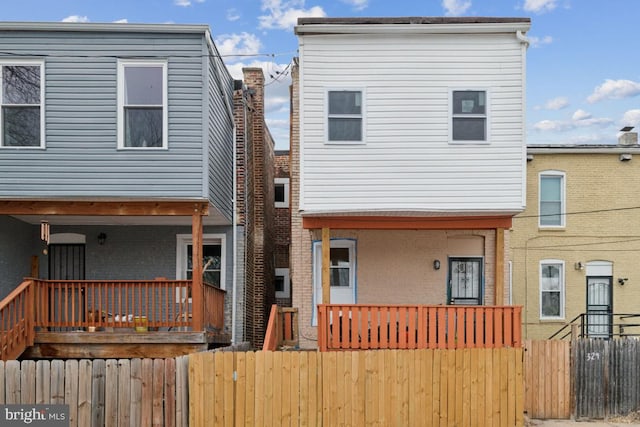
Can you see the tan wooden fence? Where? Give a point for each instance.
(547, 379)
(125, 392)
(477, 387)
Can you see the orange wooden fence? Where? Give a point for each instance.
(282, 328)
(16, 321)
(346, 327)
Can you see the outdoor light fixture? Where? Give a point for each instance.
(436, 264)
(622, 281)
(578, 265)
(102, 238)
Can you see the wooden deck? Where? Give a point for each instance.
(107, 319)
(110, 345)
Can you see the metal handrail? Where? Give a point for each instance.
(616, 329)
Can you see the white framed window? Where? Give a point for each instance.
(345, 116)
(213, 260)
(22, 104)
(342, 273)
(281, 192)
(283, 283)
(142, 104)
(469, 116)
(551, 194)
(552, 289)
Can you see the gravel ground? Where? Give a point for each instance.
(572, 423)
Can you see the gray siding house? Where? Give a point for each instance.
(117, 160)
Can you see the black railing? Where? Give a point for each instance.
(601, 324)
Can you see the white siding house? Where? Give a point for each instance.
(406, 76)
(408, 160)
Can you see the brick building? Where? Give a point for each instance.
(282, 228)
(574, 249)
(255, 207)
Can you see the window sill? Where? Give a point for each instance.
(556, 229)
(345, 143)
(548, 320)
(469, 142)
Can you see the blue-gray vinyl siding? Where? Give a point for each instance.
(16, 248)
(81, 158)
(220, 130)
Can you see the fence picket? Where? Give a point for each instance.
(98, 392)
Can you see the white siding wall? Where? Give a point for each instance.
(407, 162)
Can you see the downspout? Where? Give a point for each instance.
(234, 200)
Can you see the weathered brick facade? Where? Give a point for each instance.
(282, 226)
(254, 175)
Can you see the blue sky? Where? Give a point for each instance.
(583, 71)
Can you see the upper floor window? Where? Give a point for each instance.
(469, 117)
(344, 116)
(551, 289)
(22, 100)
(552, 205)
(142, 104)
(281, 192)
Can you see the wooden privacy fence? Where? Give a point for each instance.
(361, 326)
(547, 381)
(110, 393)
(607, 377)
(477, 387)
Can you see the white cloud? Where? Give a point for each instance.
(455, 7)
(238, 44)
(186, 3)
(553, 126)
(580, 119)
(357, 4)
(581, 115)
(121, 21)
(557, 103)
(614, 89)
(539, 42)
(233, 15)
(76, 18)
(539, 6)
(284, 14)
(631, 118)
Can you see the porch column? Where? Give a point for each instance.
(326, 262)
(499, 273)
(197, 292)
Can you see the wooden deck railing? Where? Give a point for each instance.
(67, 305)
(213, 307)
(282, 329)
(17, 321)
(348, 327)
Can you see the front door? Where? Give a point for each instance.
(66, 261)
(465, 281)
(599, 306)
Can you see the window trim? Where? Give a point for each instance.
(486, 116)
(563, 202)
(29, 63)
(285, 182)
(543, 263)
(361, 116)
(286, 293)
(124, 63)
(182, 241)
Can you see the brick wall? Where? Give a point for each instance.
(282, 222)
(255, 171)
